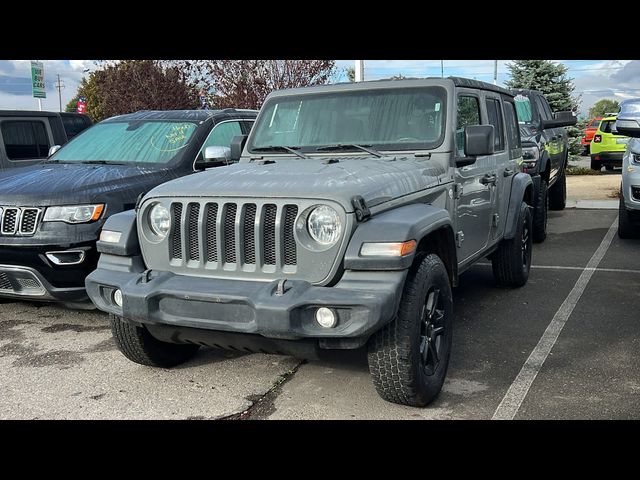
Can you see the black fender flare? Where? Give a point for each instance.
(521, 189)
(408, 222)
(544, 163)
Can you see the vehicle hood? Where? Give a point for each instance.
(71, 184)
(377, 180)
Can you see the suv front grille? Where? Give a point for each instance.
(19, 220)
(232, 235)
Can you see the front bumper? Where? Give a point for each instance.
(27, 273)
(363, 301)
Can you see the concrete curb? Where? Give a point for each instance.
(593, 204)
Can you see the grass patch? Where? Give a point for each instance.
(581, 171)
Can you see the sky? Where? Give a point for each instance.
(594, 79)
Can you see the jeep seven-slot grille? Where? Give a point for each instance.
(233, 234)
(19, 220)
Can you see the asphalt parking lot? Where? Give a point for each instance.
(562, 347)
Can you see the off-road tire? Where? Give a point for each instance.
(558, 193)
(540, 213)
(596, 165)
(510, 262)
(395, 357)
(139, 346)
(627, 228)
(609, 168)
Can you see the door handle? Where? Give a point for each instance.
(508, 172)
(489, 178)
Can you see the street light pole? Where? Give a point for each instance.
(495, 72)
(59, 86)
(359, 70)
(442, 68)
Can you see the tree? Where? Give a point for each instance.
(72, 105)
(246, 83)
(604, 106)
(549, 78)
(133, 85)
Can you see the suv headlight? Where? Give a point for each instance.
(324, 225)
(74, 213)
(635, 158)
(530, 154)
(159, 220)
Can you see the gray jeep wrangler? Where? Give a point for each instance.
(351, 212)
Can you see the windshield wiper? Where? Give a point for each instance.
(280, 148)
(350, 146)
(102, 162)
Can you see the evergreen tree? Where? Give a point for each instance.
(549, 78)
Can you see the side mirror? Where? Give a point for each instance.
(478, 140)
(560, 119)
(53, 149)
(628, 121)
(237, 145)
(217, 154)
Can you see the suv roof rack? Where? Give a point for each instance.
(238, 110)
(611, 114)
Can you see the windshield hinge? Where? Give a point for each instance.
(360, 207)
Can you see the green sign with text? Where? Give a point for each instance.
(37, 78)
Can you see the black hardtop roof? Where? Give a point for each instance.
(395, 83)
(197, 115)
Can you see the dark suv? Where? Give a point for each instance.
(26, 137)
(545, 150)
(51, 214)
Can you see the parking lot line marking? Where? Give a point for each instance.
(562, 267)
(518, 390)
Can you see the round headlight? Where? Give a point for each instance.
(159, 220)
(324, 225)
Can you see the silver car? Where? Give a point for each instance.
(628, 124)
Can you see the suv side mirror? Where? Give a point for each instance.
(628, 121)
(560, 119)
(215, 156)
(478, 140)
(237, 144)
(53, 149)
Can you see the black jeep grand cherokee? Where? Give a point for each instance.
(51, 214)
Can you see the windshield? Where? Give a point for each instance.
(595, 124)
(392, 119)
(523, 109)
(138, 141)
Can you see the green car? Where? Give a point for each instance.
(607, 147)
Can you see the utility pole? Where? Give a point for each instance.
(442, 68)
(359, 70)
(495, 72)
(59, 86)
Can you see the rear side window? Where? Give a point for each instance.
(543, 108)
(495, 118)
(605, 126)
(468, 114)
(25, 139)
(73, 125)
(513, 131)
